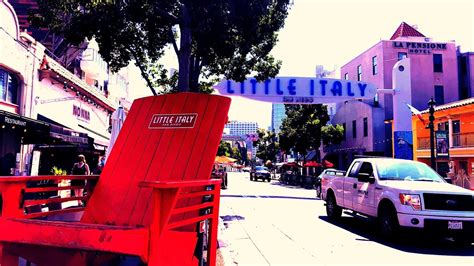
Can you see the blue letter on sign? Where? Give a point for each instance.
(291, 87)
(323, 86)
(254, 85)
(336, 88)
(362, 89)
(349, 91)
(229, 89)
(279, 91)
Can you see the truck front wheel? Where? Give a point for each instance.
(332, 210)
(388, 223)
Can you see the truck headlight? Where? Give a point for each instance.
(413, 200)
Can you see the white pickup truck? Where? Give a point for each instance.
(401, 193)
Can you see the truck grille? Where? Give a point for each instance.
(448, 202)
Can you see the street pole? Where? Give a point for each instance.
(432, 104)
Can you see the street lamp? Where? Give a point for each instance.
(432, 104)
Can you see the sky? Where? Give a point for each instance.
(332, 32)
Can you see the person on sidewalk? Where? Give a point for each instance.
(80, 168)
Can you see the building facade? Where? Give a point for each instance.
(434, 74)
(51, 112)
(454, 141)
(278, 113)
(239, 128)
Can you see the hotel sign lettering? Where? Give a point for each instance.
(81, 113)
(298, 90)
(420, 47)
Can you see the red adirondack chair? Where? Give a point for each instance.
(148, 201)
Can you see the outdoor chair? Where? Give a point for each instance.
(151, 200)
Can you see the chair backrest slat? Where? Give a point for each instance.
(177, 150)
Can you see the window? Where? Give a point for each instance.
(456, 126)
(8, 87)
(402, 56)
(439, 94)
(374, 65)
(366, 127)
(354, 128)
(366, 168)
(443, 126)
(344, 131)
(353, 171)
(359, 72)
(346, 76)
(437, 63)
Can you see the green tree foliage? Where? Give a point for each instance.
(211, 39)
(236, 154)
(267, 145)
(301, 128)
(332, 135)
(224, 149)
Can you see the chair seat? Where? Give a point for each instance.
(75, 235)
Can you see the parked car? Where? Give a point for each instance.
(329, 171)
(219, 172)
(260, 172)
(246, 169)
(401, 193)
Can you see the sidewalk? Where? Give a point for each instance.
(233, 236)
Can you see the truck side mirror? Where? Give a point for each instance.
(366, 178)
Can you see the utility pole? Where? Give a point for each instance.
(432, 104)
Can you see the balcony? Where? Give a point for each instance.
(463, 140)
(460, 140)
(58, 72)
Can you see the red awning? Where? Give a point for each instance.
(312, 164)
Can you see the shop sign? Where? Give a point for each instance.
(15, 122)
(420, 47)
(165, 121)
(442, 144)
(298, 90)
(81, 114)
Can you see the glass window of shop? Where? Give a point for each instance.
(8, 87)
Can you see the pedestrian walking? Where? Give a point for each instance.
(80, 168)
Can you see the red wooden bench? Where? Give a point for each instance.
(148, 201)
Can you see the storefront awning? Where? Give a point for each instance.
(64, 134)
(32, 131)
(99, 139)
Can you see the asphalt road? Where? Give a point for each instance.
(273, 224)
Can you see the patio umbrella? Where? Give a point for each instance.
(118, 117)
(312, 164)
(292, 164)
(224, 159)
(327, 164)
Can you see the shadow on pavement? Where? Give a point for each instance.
(229, 218)
(413, 241)
(278, 183)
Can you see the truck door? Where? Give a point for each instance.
(364, 197)
(350, 185)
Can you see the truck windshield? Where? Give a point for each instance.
(408, 171)
(261, 168)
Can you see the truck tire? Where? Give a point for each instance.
(333, 211)
(388, 222)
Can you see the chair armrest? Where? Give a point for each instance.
(13, 188)
(24, 179)
(180, 184)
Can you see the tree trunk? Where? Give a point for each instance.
(184, 56)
